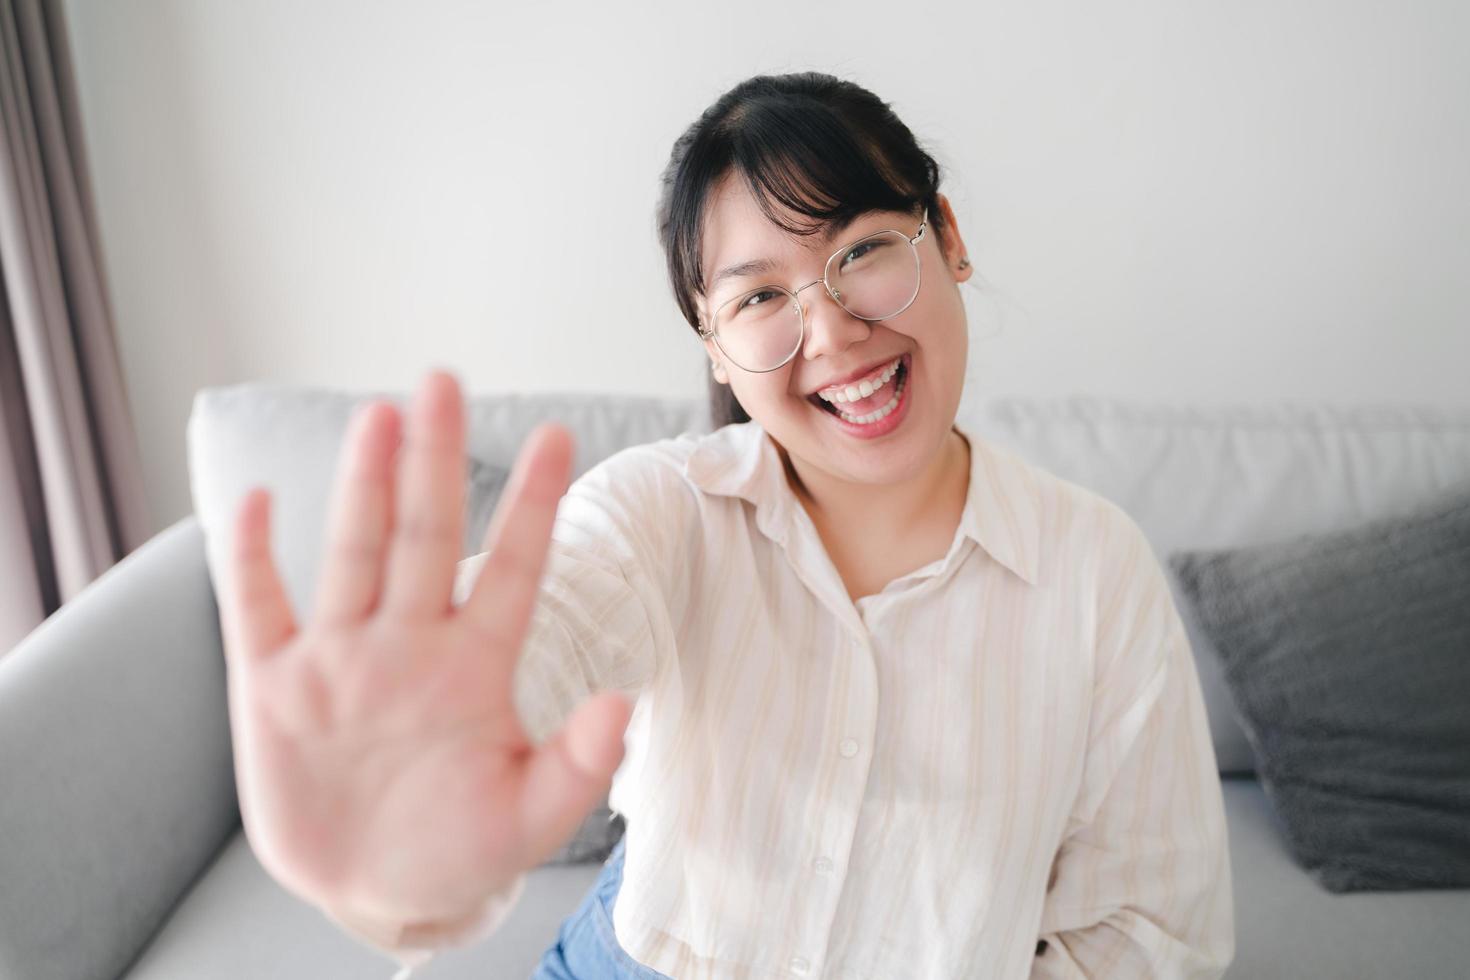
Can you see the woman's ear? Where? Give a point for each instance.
(955, 254)
(716, 363)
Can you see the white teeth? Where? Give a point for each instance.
(879, 414)
(862, 389)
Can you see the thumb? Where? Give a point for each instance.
(571, 771)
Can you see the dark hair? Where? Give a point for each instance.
(818, 145)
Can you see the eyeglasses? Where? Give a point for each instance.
(877, 277)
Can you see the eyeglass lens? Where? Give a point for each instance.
(873, 279)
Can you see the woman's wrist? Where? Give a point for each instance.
(472, 926)
(412, 942)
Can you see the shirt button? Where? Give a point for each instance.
(822, 865)
(799, 965)
(848, 747)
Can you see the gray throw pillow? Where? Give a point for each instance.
(600, 830)
(1348, 658)
(486, 481)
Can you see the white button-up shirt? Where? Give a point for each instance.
(998, 766)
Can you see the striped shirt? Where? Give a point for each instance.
(997, 766)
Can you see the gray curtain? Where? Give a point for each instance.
(71, 488)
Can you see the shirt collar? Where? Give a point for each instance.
(1002, 513)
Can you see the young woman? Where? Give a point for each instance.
(882, 699)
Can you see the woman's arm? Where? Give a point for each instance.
(1141, 884)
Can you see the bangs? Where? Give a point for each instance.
(809, 162)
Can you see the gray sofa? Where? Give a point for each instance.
(121, 853)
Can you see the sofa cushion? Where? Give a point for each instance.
(237, 921)
(1286, 925)
(1348, 655)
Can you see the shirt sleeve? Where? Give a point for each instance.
(610, 591)
(1140, 886)
(603, 619)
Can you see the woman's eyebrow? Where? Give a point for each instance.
(751, 267)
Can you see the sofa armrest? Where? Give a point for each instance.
(116, 776)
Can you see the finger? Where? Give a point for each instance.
(428, 512)
(499, 605)
(360, 518)
(571, 771)
(255, 613)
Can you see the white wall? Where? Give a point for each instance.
(1205, 201)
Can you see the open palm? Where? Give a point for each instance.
(380, 762)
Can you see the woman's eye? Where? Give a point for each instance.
(753, 296)
(857, 252)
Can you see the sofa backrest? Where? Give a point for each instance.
(288, 439)
(1191, 476)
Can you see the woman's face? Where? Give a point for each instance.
(931, 336)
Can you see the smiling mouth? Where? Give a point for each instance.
(899, 377)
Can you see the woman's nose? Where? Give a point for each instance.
(829, 328)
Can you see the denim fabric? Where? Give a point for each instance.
(585, 946)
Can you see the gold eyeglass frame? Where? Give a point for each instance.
(795, 294)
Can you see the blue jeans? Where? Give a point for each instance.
(585, 946)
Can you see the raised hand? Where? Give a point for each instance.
(381, 766)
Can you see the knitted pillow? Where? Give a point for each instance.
(1348, 658)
